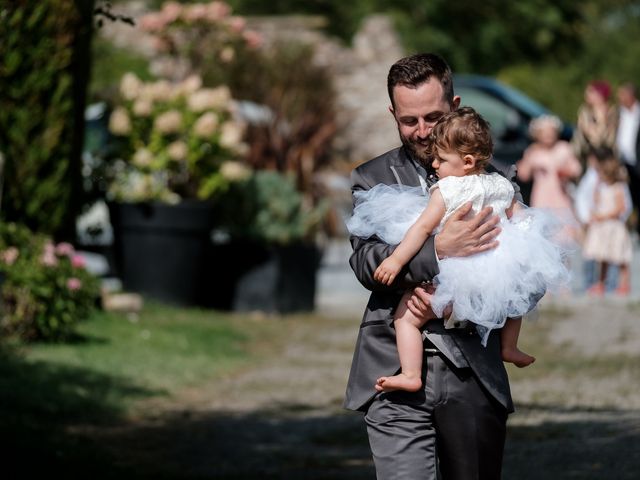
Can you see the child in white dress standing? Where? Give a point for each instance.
(485, 288)
(607, 240)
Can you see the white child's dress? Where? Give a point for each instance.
(485, 288)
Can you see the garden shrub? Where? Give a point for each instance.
(46, 289)
(38, 128)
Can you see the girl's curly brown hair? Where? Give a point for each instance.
(465, 132)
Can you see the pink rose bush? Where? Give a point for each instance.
(185, 28)
(45, 289)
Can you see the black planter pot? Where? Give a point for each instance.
(161, 250)
(271, 279)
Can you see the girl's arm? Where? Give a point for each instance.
(413, 240)
(596, 199)
(620, 205)
(515, 207)
(571, 167)
(524, 166)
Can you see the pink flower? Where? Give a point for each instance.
(74, 284)
(10, 255)
(195, 12)
(65, 248)
(253, 38)
(77, 261)
(153, 22)
(217, 11)
(49, 259)
(236, 24)
(171, 11)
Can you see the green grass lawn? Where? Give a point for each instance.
(114, 364)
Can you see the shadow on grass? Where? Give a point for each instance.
(573, 443)
(42, 407)
(298, 443)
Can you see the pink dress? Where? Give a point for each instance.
(550, 168)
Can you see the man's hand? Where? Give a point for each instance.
(387, 271)
(461, 236)
(419, 303)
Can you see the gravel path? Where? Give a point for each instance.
(578, 407)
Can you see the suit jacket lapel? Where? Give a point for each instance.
(404, 170)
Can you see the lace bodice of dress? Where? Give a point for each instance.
(482, 190)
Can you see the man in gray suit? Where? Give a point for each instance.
(456, 424)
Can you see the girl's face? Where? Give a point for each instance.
(449, 163)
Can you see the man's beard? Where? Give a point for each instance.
(418, 152)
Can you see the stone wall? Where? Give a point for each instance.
(365, 125)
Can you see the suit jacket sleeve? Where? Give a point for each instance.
(369, 253)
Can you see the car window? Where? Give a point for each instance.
(500, 115)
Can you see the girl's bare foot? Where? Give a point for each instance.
(517, 357)
(399, 382)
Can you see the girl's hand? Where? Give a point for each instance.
(387, 271)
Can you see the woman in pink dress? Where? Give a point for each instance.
(551, 164)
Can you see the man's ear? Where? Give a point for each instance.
(469, 163)
(393, 112)
(456, 103)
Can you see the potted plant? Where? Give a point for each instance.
(266, 253)
(176, 148)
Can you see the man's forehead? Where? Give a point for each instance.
(420, 100)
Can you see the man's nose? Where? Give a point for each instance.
(424, 129)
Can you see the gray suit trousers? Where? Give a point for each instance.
(404, 428)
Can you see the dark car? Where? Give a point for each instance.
(509, 112)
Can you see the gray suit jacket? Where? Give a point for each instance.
(375, 352)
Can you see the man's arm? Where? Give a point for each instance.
(369, 253)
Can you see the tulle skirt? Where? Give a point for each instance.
(507, 281)
(485, 288)
(386, 211)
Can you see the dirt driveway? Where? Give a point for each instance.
(578, 408)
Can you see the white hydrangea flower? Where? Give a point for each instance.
(142, 158)
(231, 135)
(206, 125)
(143, 107)
(130, 86)
(168, 122)
(177, 150)
(162, 91)
(209, 99)
(119, 122)
(190, 85)
(234, 171)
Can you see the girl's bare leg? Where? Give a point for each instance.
(510, 351)
(624, 281)
(410, 350)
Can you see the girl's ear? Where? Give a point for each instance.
(469, 163)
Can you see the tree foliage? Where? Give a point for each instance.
(41, 109)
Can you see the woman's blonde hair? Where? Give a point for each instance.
(463, 131)
(544, 121)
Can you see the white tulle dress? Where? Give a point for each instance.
(485, 288)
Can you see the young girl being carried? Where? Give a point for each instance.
(487, 288)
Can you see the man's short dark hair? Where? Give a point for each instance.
(417, 69)
(630, 87)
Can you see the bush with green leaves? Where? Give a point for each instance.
(39, 94)
(46, 289)
(268, 208)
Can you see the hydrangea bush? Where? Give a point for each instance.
(46, 289)
(174, 140)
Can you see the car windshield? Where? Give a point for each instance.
(522, 102)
